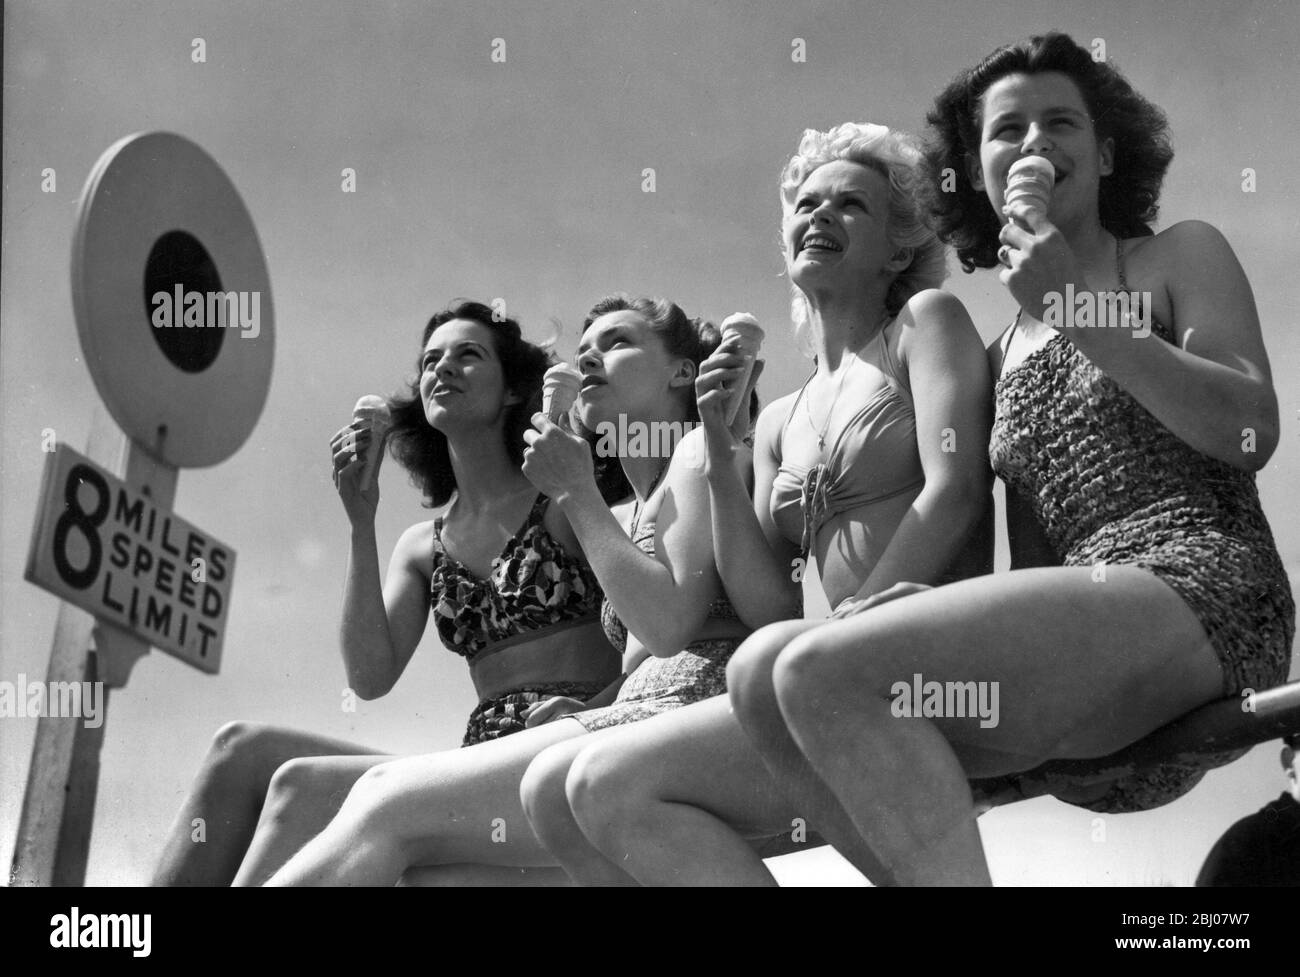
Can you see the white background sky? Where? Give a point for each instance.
(522, 181)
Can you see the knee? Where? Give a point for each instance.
(542, 792)
(370, 806)
(802, 676)
(240, 750)
(293, 782)
(749, 673)
(607, 795)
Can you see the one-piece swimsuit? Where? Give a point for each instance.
(1110, 484)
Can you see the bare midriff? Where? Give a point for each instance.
(576, 654)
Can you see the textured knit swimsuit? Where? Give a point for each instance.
(659, 685)
(534, 588)
(1110, 484)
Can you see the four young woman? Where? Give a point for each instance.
(1144, 578)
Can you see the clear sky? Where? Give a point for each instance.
(522, 180)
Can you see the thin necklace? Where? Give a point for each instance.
(636, 506)
(844, 373)
(807, 407)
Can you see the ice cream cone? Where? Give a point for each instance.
(1031, 180)
(375, 409)
(746, 336)
(560, 389)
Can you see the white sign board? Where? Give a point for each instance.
(108, 549)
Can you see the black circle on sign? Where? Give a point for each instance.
(178, 258)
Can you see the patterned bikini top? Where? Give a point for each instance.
(873, 458)
(534, 587)
(615, 631)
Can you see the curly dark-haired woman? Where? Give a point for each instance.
(500, 570)
(1145, 579)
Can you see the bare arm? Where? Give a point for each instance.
(1213, 389)
(381, 625)
(381, 628)
(949, 376)
(756, 563)
(664, 599)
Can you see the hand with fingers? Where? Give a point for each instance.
(551, 709)
(557, 461)
(350, 448)
(715, 388)
(856, 605)
(1037, 259)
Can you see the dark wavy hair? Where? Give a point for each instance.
(1127, 199)
(422, 449)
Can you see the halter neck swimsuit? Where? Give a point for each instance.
(873, 458)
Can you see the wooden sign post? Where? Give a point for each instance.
(183, 366)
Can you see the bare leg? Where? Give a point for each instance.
(756, 711)
(217, 820)
(304, 795)
(545, 798)
(1082, 668)
(452, 808)
(675, 799)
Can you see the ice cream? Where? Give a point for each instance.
(746, 335)
(1030, 180)
(560, 389)
(375, 410)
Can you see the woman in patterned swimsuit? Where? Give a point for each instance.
(527, 622)
(1155, 585)
(639, 360)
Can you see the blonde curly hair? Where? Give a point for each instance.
(895, 155)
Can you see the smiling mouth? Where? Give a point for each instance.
(818, 242)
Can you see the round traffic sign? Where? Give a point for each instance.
(172, 299)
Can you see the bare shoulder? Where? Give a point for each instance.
(686, 468)
(414, 548)
(1187, 246)
(936, 325)
(1190, 233)
(933, 307)
(934, 315)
